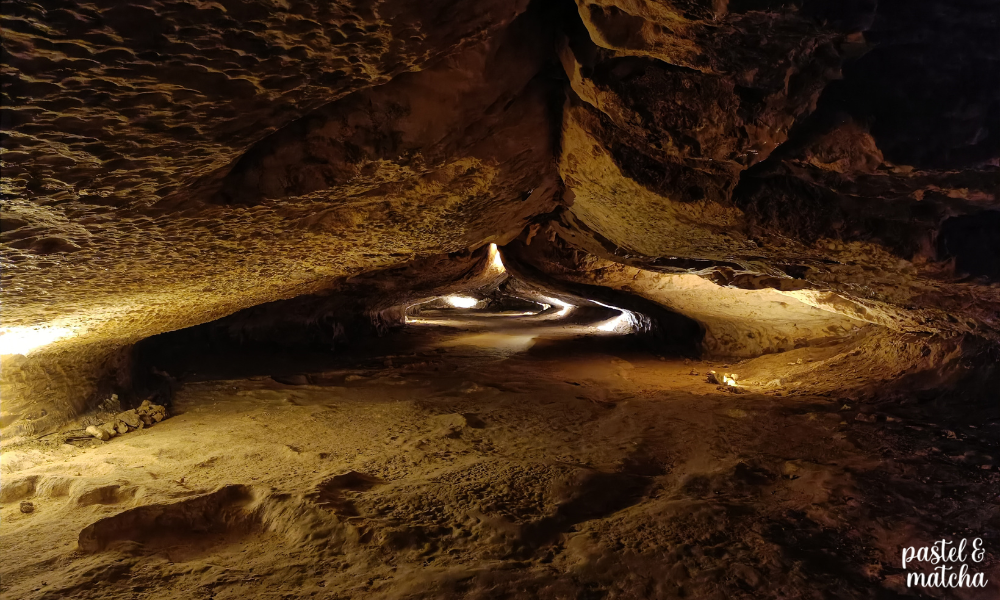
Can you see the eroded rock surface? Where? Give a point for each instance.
(167, 164)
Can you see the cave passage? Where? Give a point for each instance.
(498, 428)
(499, 299)
(445, 328)
(489, 315)
(497, 444)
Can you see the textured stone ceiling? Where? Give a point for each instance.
(136, 186)
(167, 163)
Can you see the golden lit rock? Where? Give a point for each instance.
(550, 299)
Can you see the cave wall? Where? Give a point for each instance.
(380, 177)
(752, 134)
(166, 164)
(738, 323)
(785, 337)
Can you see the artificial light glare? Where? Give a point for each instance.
(612, 324)
(24, 340)
(622, 323)
(728, 379)
(564, 306)
(461, 301)
(496, 261)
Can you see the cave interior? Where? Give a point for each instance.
(498, 299)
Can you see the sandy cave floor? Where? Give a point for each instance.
(496, 457)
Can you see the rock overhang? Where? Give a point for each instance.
(204, 160)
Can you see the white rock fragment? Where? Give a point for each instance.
(98, 433)
(109, 428)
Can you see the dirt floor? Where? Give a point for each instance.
(497, 456)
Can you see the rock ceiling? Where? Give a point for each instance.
(167, 163)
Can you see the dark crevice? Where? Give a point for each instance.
(973, 241)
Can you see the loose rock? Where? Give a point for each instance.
(151, 413)
(130, 418)
(98, 433)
